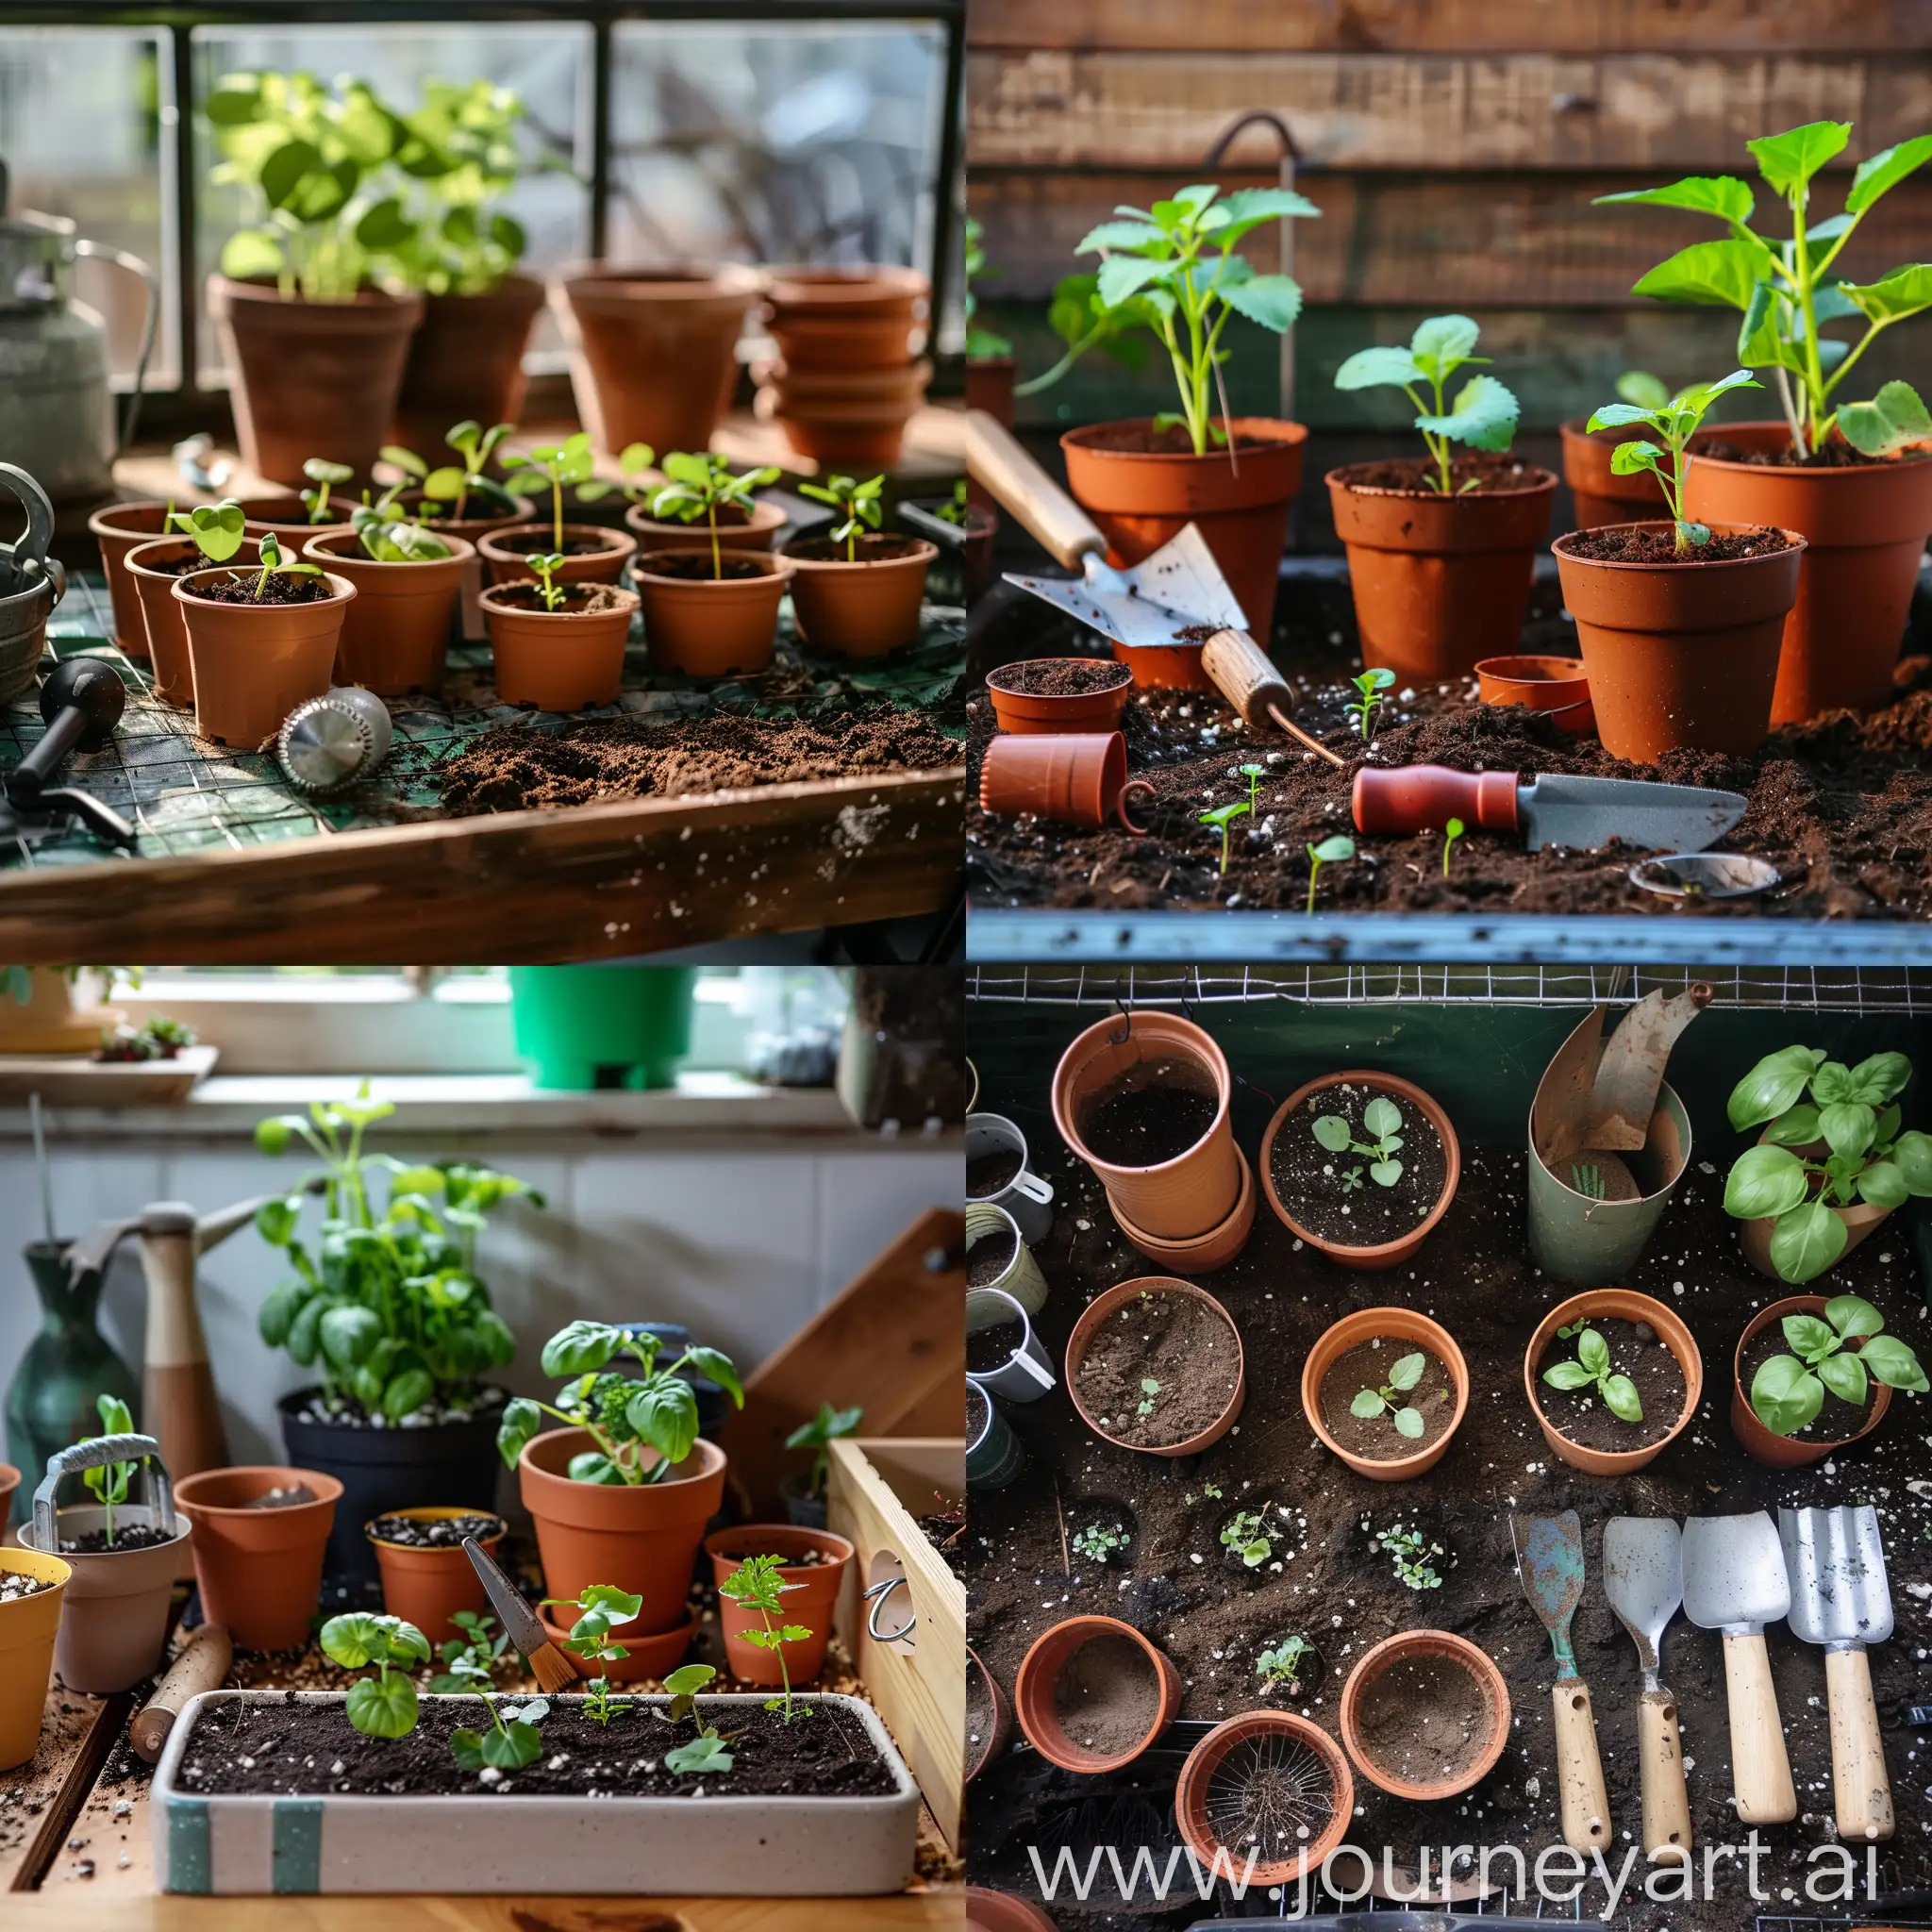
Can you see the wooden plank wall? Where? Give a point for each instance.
(1454, 148)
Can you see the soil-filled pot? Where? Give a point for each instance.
(654, 350)
(426, 1582)
(253, 663)
(1556, 685)
(561, 659)
(1439, 581)
(1004, 1260)
(1206, 1252)
(1360, 1331)
(152, 569)
(1059, 695)
(1292, 1146)
(1618, 1305)
(285, 517)
(1681, 656)
(989, 1715)
(1858, 1220)
(27, 1626)
(311, 378)
(1092, 1694)
(1143, 488)
(652, 1656)
(993, 1456)
(245, 1801)
(1864, 526)
(1424, 1714)
(814, 1569)
(708, 626)
(114, 1621)
(466, 362)
(862, 608)
(1263, 1744)
(1793, 1452)
(642, 1537)
(1601, 495)
(258, 1568)
(757, 531)
(381, 1470)
(1073, 777)
(1163, 1330)
(119, 528)
(1143, 1100)
(592, 554)
(396, 633)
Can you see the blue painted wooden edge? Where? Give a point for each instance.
(295, 1846)
(186, 1847)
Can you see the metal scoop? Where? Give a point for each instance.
(1643, 1579)
(1839, 1598)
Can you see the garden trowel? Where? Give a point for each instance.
(1549, 1559)
(1734, 1581)
(1839, 1598)
(1643, 1579)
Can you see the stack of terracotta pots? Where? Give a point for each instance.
(849, 377)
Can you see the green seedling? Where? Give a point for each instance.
(1586, 1177)
(551, 466)
(1484, 413)
(452, 483)
(954, 511)
(1329, 852)
(1285, 1664)
(1098, 1542)
(510, 1743)
(707, 1752)
(758, 1584)
(1254, 774)
(982, 344)
(684, 1685)
(1451, 832)
(550, 585)
(1382, 1123)
(818, 1435)
(701, 485)
(275, 564)
(1223, 816)
(633, 461)
(1371, 685)
(1412, 1555)
(1788, 290)
(1807, 1100)
(858, 505)
(1082, 320)
(1149, 1389)
(383, 1705)
(1845, 1351)
(324, 475)
(1246, 1534)
(600, 1610)
(385, 540)
(1591, 1366)
(1676, 421)
(1404, 1374)
(1646, 390)
(109, 1483)
(218, 530)
(1213, 1490)
(466, 1659)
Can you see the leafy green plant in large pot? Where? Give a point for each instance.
(1812, 1375)
(316, 350)
(1851, 478)
(388, 1306)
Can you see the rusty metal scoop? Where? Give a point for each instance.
(1549, 1559)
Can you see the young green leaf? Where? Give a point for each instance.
(1892, 420)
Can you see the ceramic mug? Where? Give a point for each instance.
(1025, 1197)
(1026, 1373)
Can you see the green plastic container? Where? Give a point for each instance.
(1595, 1243)
(585, 1028)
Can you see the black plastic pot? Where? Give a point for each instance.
(802, 1511)
(454, 1464)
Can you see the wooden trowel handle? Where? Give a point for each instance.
(1760, 1771)
(1666, 1803)
(996, 462)
(1580, 1772)
(1245, 676)
(1859, 1780)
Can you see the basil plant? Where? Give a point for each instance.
(1845, 1351)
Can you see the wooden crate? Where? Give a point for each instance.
(878, 1486)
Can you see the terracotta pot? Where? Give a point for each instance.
(1380, 1254)
(844, 430)
(1438, 581)
(311, 378)
(260, 1570)
(1076, 778)
(1275, 1729)
(1000, 1911)
(9, 1481)
(1408, 1646)
(1206, 1252)
(654, 350)
(1394, 1324)
(1038, 1678)
(427, 1587)
(1601, 495)
(1081, 1340)
(395, 634)
(999, 1722)
(1625, 1304)
(1859, 1220)
(861, 609)
(648, 1654)
(469, 526)
(848, 341)
(507, 559)
(114, 1621)
(253, 663)
(26, 1652)
(1196, 1190)
(285, 517)
(757, 532)
(711, 626)
(1864, 531)
(642, 1537)
(466, 362)
(1764, 1446)
(1556, 685)
(1681, 656)
(812, 1600)
(1030, 713)
(161, 616)
(559, 661)
(857, 292)
(989, 387)
(1141, 498)
(883, 391)
(119, 528)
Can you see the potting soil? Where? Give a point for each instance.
(434, 1533)
(990, 1257)
(1108, 1695)
(1836, 1420)
(95, 1542)
(987, 1174)
(1469, 475)
(577, 599)
(248, 587)
(1631, 545)
(17, 1585)
(1176, 1343)
(1425, 1720)
(1335, 1195)
(1063, 677)
(1153, 1118)
(991, 1348)
(1367, 1365)
(1636, 1351)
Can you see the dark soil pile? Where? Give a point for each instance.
(1107, 1696)
(1836, 1420)
(945, 1530)
(1333, 1194)
(989, 1258)
(1632, 546)
(1834, 456)
(1174, 1341)
(1636, 1351)
(1061, 677)
(126, 1537)
(1145, 1125)
(514, 768)
(986, 1174)
(1472, 476)
(1425, 1720)
(1367, 1365)
(434, 1533)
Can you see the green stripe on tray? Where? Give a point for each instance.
(295, 1862)
(188, 1845)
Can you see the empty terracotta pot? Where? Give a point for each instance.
(1395, 1325)
(559, 661)
(810, 1599)
(711, 626)
(1681, 656)
(1599, 494)
(1279, 1735)
(1414, 1646)
(1623, 1305)
(1765, 1446)
(813, 342)
(396, 633)
(114, 1622)
(857, 292)
(844, 419)
(161, 615)
(862, 608)
(260, 1570)
(1081, 1340)
(642, 1537)
(253, 663)
(1076, 777)
(1556, 685)
(1864, 529)
(982, 1751)
(755, 532)
(27, 1628)
(649, 1654)
(119, 528)
(507, 552)
(426, 1586)
(1141, 497)
(1438, 581)
(1036, 1691)
(1032, 712)
(1204, 1253)
(466, 362)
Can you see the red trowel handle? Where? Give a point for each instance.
(1423, 798)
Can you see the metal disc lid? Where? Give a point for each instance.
(324, 746)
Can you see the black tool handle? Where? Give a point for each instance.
(103, 821)
(27, 780)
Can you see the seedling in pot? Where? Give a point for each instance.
(818, 1435)
(955, 508)
(1329, 852)
(1867, 1158)
(449, 487)
(467, 1658)
(550, 466)
(387, 539)
(460, 148)
(1149, 1389)
(1404, 1374)
(510, 1743)
(707, 1751)
(1224, 817)
(275, 564)
(1082, 320)
(756, 1585)
(549, 587)
(1591, 1366)
(1676, 422)
(1484, 414)
(1286, 1664)
(1246, 1534)
(1371, 685)
(218, 529)
(108, 1482)
(701, 485)
(600, 1610)
(1788, 1390)
(323, 476)
(1382, 1123)
(857, 504)
(1412, 1555)
(1099, 1542)
(633, 460)
(383, 1705)
(1451, 832)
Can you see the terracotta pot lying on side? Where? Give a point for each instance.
(260, 1570)
(1081, 1340)
(559, 661)
(1765, 1446)
(1396, 1324)
(253, 663)
(1040, 1670)
(1413, 1647)
(396, 636)
(1075, 779)
(1285, 1735)
(120, 528)
(999, 1720)
(1556, 685)
(811, 1600)
(713, 626)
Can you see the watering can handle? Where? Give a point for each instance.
(97, 1455)
(27, 553)
(996, 462)
(132, 265)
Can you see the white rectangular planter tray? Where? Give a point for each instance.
(725, 1848)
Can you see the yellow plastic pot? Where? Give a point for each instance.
(26, 1652)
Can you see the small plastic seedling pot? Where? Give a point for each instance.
(1417, 1644)
(1074, 777)
(1556, 685)
(1023, 1280)
(1625, 1305)
(1035, 712)
(1026, 1373)
(1088, 1326)
(1036, 1688)
(1027, 1197)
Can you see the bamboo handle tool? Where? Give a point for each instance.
(1643, 1579)
(1586, 1804)
(201, 1666)
(1549, 1559)
(1760, 1770)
